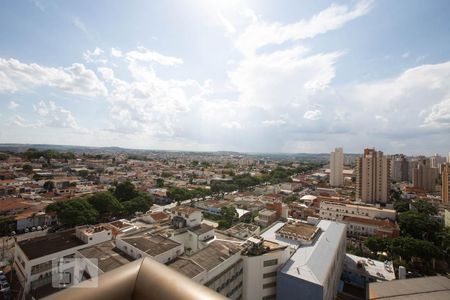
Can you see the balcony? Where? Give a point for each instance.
(141, 279)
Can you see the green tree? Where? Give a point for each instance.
(125, 191)
(37, 177)
(228, 215)
(141, 203)
(49, 185)
(106, 204)
(418, 225)
(74, 212)
(401, 205)
(27, 169)
(83, 173)
(376, 244)
(159, 182)
(425, 207)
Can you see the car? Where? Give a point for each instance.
(26, 230)
(33, 228)
(13, 233)
(44, 227)
(39, 228)
(4, 287)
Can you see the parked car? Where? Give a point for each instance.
(44, 227)
(39, 228)
(33, 228)
(13, 233)
(26, 230)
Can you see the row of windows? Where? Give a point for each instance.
(269, 285)
(226, 283)
(271, 274)
(272, 262)
(233, 290)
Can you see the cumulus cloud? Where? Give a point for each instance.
(116, 52)
(95, 56)
(52, 115)
(312, 115)
(76, 79)
(12, 105)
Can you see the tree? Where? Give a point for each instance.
(74, 212)
(376, 244)
(125, 191)
(401, 206)
(228, 216)
(159, 182)
(141, 203)
(425, 207)
(106, 204)
(37, 177)
(27, 169)
(418, 225)
(49, 186)
(83, 173)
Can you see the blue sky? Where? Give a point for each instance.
(259, 76)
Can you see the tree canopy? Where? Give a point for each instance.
(74, 212)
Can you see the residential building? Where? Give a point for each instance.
(266, 217)
(336, 211)
(317, 256)
(360, 271)
(424, 176)
(436, 160)
(262, 260)
(373, 177)
(357, 226)
(445, 181)
(34, 258)
(337, 167)
(399, 168)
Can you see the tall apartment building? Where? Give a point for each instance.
(424, 176)
(337, 167)
(445, 182)
(436, 160)
(399, 168)
(373, 174)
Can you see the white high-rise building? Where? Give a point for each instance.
(337, 167)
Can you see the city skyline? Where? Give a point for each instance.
(267, 77)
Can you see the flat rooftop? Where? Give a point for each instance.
(435, 287)
(215, 253)
(303, 231)
(49, 244)
(374, 268)
(201, 229)
(152, 244)
(109, 257)
(184, 209)
(186, 267)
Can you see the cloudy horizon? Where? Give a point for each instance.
(270, 76)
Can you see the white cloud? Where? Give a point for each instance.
(52, 115)
(75, 79)
(13, 105)
(312, 115)
(260, 33)
(95, 56)
(116, 52)
(107, 73)
(144, 55)
(439, 117)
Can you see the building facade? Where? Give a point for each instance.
(373, 177)
(337, 167)
(424, 176)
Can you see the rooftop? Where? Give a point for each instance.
(186, 267)
(215, 253)
(201, 229)
(303, 231)
(152, 244)
(185, 209)
(109, 257)
(50, 243)
(375, 222)
(435, 287)
(374, 268)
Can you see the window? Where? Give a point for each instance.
(271, 274)
(271, 262)
(269, 285)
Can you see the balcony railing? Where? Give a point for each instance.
(139, 280)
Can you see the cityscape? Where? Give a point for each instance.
(221, 149)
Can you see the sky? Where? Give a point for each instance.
(208, 75)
